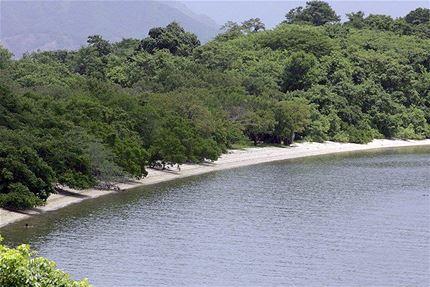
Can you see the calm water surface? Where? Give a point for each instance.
(345, 220)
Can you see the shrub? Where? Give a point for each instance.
(20, 199)
(20, 268)
(75, 179)
(360, 136)
(341, 137)
(408, 133)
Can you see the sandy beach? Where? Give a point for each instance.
(232, 159)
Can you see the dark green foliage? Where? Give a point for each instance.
(379, 22)
(316, 13)
(25, 178)
(173, 38)
(102, 46)
(253, 25)
(356, 19)
(359, 135)
(5, 57)
(19, 198)
(418, 16)
(258, 124)
(292, 117)
(300, 72)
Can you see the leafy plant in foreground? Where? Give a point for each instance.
(19, 267)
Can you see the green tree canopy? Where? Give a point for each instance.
(173, 38)
(102, 46)
(292, 117)
(316, 13)
(418, 16)
(300, 72)
(5, 57)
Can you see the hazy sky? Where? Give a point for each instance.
(273, 12)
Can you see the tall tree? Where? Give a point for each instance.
(102, 46)
(316, 13)
(356, 19)
(253, 25)
(418, 16)
(173, 38)
(292, 117)
(231, 30)
(300, 72)
(5, 57)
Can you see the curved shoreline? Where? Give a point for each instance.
(233, 159)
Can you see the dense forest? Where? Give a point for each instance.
(108, 110)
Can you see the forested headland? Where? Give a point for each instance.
(106, 111)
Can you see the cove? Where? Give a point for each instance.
(355, 219)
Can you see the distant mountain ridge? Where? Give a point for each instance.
(50, 25)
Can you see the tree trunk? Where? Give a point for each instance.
(255, 139)
(289, 140)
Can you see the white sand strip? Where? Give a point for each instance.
(233, 159)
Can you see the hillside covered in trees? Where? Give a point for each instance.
(106, 111)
